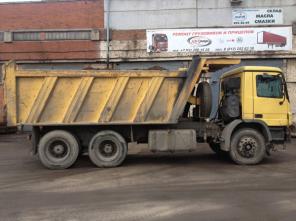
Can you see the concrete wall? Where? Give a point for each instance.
(143, 14)
(219, 12)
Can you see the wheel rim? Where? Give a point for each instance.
(57, 150)
(247, 147)
(106, 149)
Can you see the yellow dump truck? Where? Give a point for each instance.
(101, 111)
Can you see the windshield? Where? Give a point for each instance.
(269, 86)
(161, 38)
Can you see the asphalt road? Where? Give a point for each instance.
(195, 186)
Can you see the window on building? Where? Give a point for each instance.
(26, 36)
(1, 36)
(68, 35)
(269, 86)
(49, 35)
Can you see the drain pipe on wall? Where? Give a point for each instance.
(108, 32)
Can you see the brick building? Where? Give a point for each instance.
(73, 34)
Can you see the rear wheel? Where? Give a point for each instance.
(107, 149)
(58, 149)
(247, 147)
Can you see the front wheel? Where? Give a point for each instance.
(248, 147)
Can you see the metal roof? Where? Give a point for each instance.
(252, 68)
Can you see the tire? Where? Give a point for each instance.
(107, 149)
(58, 149)
(247, 147)
(215, 147)
(204, 92)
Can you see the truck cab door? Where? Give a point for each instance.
(271, 104)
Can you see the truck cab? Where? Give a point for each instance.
(255, 109)
(159, 42)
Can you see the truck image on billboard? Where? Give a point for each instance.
(159, 43)
(271, 39)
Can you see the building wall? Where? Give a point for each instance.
(153, 14)
(213, 13)
(52, 15)
(28, 24)
(138, 15)
(141, 14)
(129, 20)
(291, 82)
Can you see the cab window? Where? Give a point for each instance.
(161, 38)
(269, 86)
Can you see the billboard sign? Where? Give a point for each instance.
(257, 16)
(220, 39)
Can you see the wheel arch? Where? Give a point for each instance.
(238, 124)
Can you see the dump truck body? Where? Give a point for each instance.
(87, 97)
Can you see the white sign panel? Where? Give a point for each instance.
(257, 16)
(220, 39)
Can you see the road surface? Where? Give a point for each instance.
(195, 186)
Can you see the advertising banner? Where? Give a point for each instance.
(220, 39)
(257, 16)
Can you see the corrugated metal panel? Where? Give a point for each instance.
(26, 36)
(68, 35)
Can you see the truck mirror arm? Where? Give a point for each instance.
(285, 92)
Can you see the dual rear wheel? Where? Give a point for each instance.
(59, 149)
(107, 149)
